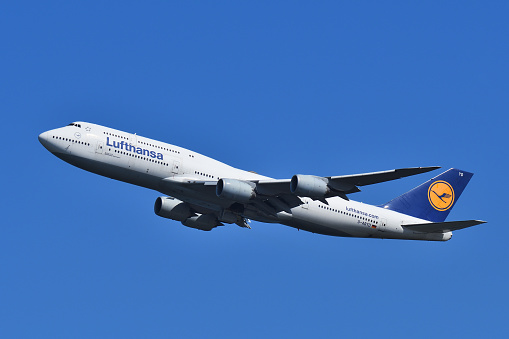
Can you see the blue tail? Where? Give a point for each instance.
(434, 199)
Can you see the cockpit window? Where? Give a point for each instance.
(73, 124)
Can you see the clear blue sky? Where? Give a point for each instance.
(281, 88)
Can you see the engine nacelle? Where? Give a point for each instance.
(235, 190)
(309, 186)
(204, 222)
(171, 208)
(228, 217)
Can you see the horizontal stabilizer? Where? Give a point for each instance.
(441, 227)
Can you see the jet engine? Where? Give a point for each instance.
(309, 186)
(235, 190)
(204, 222)
(171, 208)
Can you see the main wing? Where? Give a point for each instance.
(273, 196)
(345, 184)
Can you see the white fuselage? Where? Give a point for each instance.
(145, 162)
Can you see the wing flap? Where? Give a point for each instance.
(441, 227)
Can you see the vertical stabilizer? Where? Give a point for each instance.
(434, 199)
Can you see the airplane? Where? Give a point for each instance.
(204, 193)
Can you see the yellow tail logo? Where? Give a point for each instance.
(441, 195)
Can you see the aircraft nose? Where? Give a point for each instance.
(43, 139)
(42, 136)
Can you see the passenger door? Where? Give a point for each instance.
(99, 147)
(176, 167)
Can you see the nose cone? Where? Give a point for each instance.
(44, 139)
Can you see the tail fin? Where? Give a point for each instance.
(434, 199)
